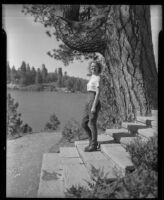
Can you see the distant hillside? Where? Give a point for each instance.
(27, 78)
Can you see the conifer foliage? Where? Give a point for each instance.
(53, 123)
(14, 122)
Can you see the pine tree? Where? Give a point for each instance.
(33, 74)
(55, 75)
(28, 75)
(44, 73)
(8, 73)
(38, 78)
(14, 121)
(13, 74)
(65, 77)
(60, 77)
(65, 74)
(70, 84)
(23, 77)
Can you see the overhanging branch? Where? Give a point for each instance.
(83, 36)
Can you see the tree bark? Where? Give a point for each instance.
(130, 77)
(130, 61)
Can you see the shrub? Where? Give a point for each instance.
(14, 122)
(53, 124)
(142, 183)
(26, 129)
(144, 153)
(72, 131)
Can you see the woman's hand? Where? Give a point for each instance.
(93, 110)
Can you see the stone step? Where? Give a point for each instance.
(123, 136)
(69, 152)
(111, 132)
(70, 155)
(127, 140)
(51, 184)
(154, 112)
(118, 136)
(144, 118)
(149, 121)
(133, 127)
(103, 138)
(74, 171)
(126, 124)
(118, 155)
(154, 124)
(149, 132)
(74, 175)
(124, 139)
(98, 160)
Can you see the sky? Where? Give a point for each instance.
(27, 40)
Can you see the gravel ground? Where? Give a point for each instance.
(24, 159)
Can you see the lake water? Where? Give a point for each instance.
(36, 107)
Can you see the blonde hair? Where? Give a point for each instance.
(98, 65)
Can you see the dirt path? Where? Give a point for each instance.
(24, 159)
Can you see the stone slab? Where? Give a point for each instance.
(75, 174)
(149, 132)
(133, 127)
(71, 161)
(51, 184)
(149, 121)
(128, 140)
(154, 124)
(144, 118)
(104, 138)
(118, 136)
(118, 155)
(69, 152)
(81, 142)
(85, 156)
(127, 124)
(98, 160)
(154, 112)
(101, 138)
(112, 131)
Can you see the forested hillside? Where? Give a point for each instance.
(26, 76)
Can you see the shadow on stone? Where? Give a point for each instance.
(134, 128)
(47, 176)
(107, 142)
(149, 122)
(118, 136)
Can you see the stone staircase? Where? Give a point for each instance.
(72, 166)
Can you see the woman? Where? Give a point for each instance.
(92, 106)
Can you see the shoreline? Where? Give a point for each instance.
(40, 88)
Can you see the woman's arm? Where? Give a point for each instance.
(93, 109)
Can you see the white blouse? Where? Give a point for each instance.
(93, 83)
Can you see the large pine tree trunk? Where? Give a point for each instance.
(130, 78)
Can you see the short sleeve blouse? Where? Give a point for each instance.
(93, 83)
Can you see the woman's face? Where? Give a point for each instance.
(94, 68)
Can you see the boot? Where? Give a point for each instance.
(91, 148)
(86, 148)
